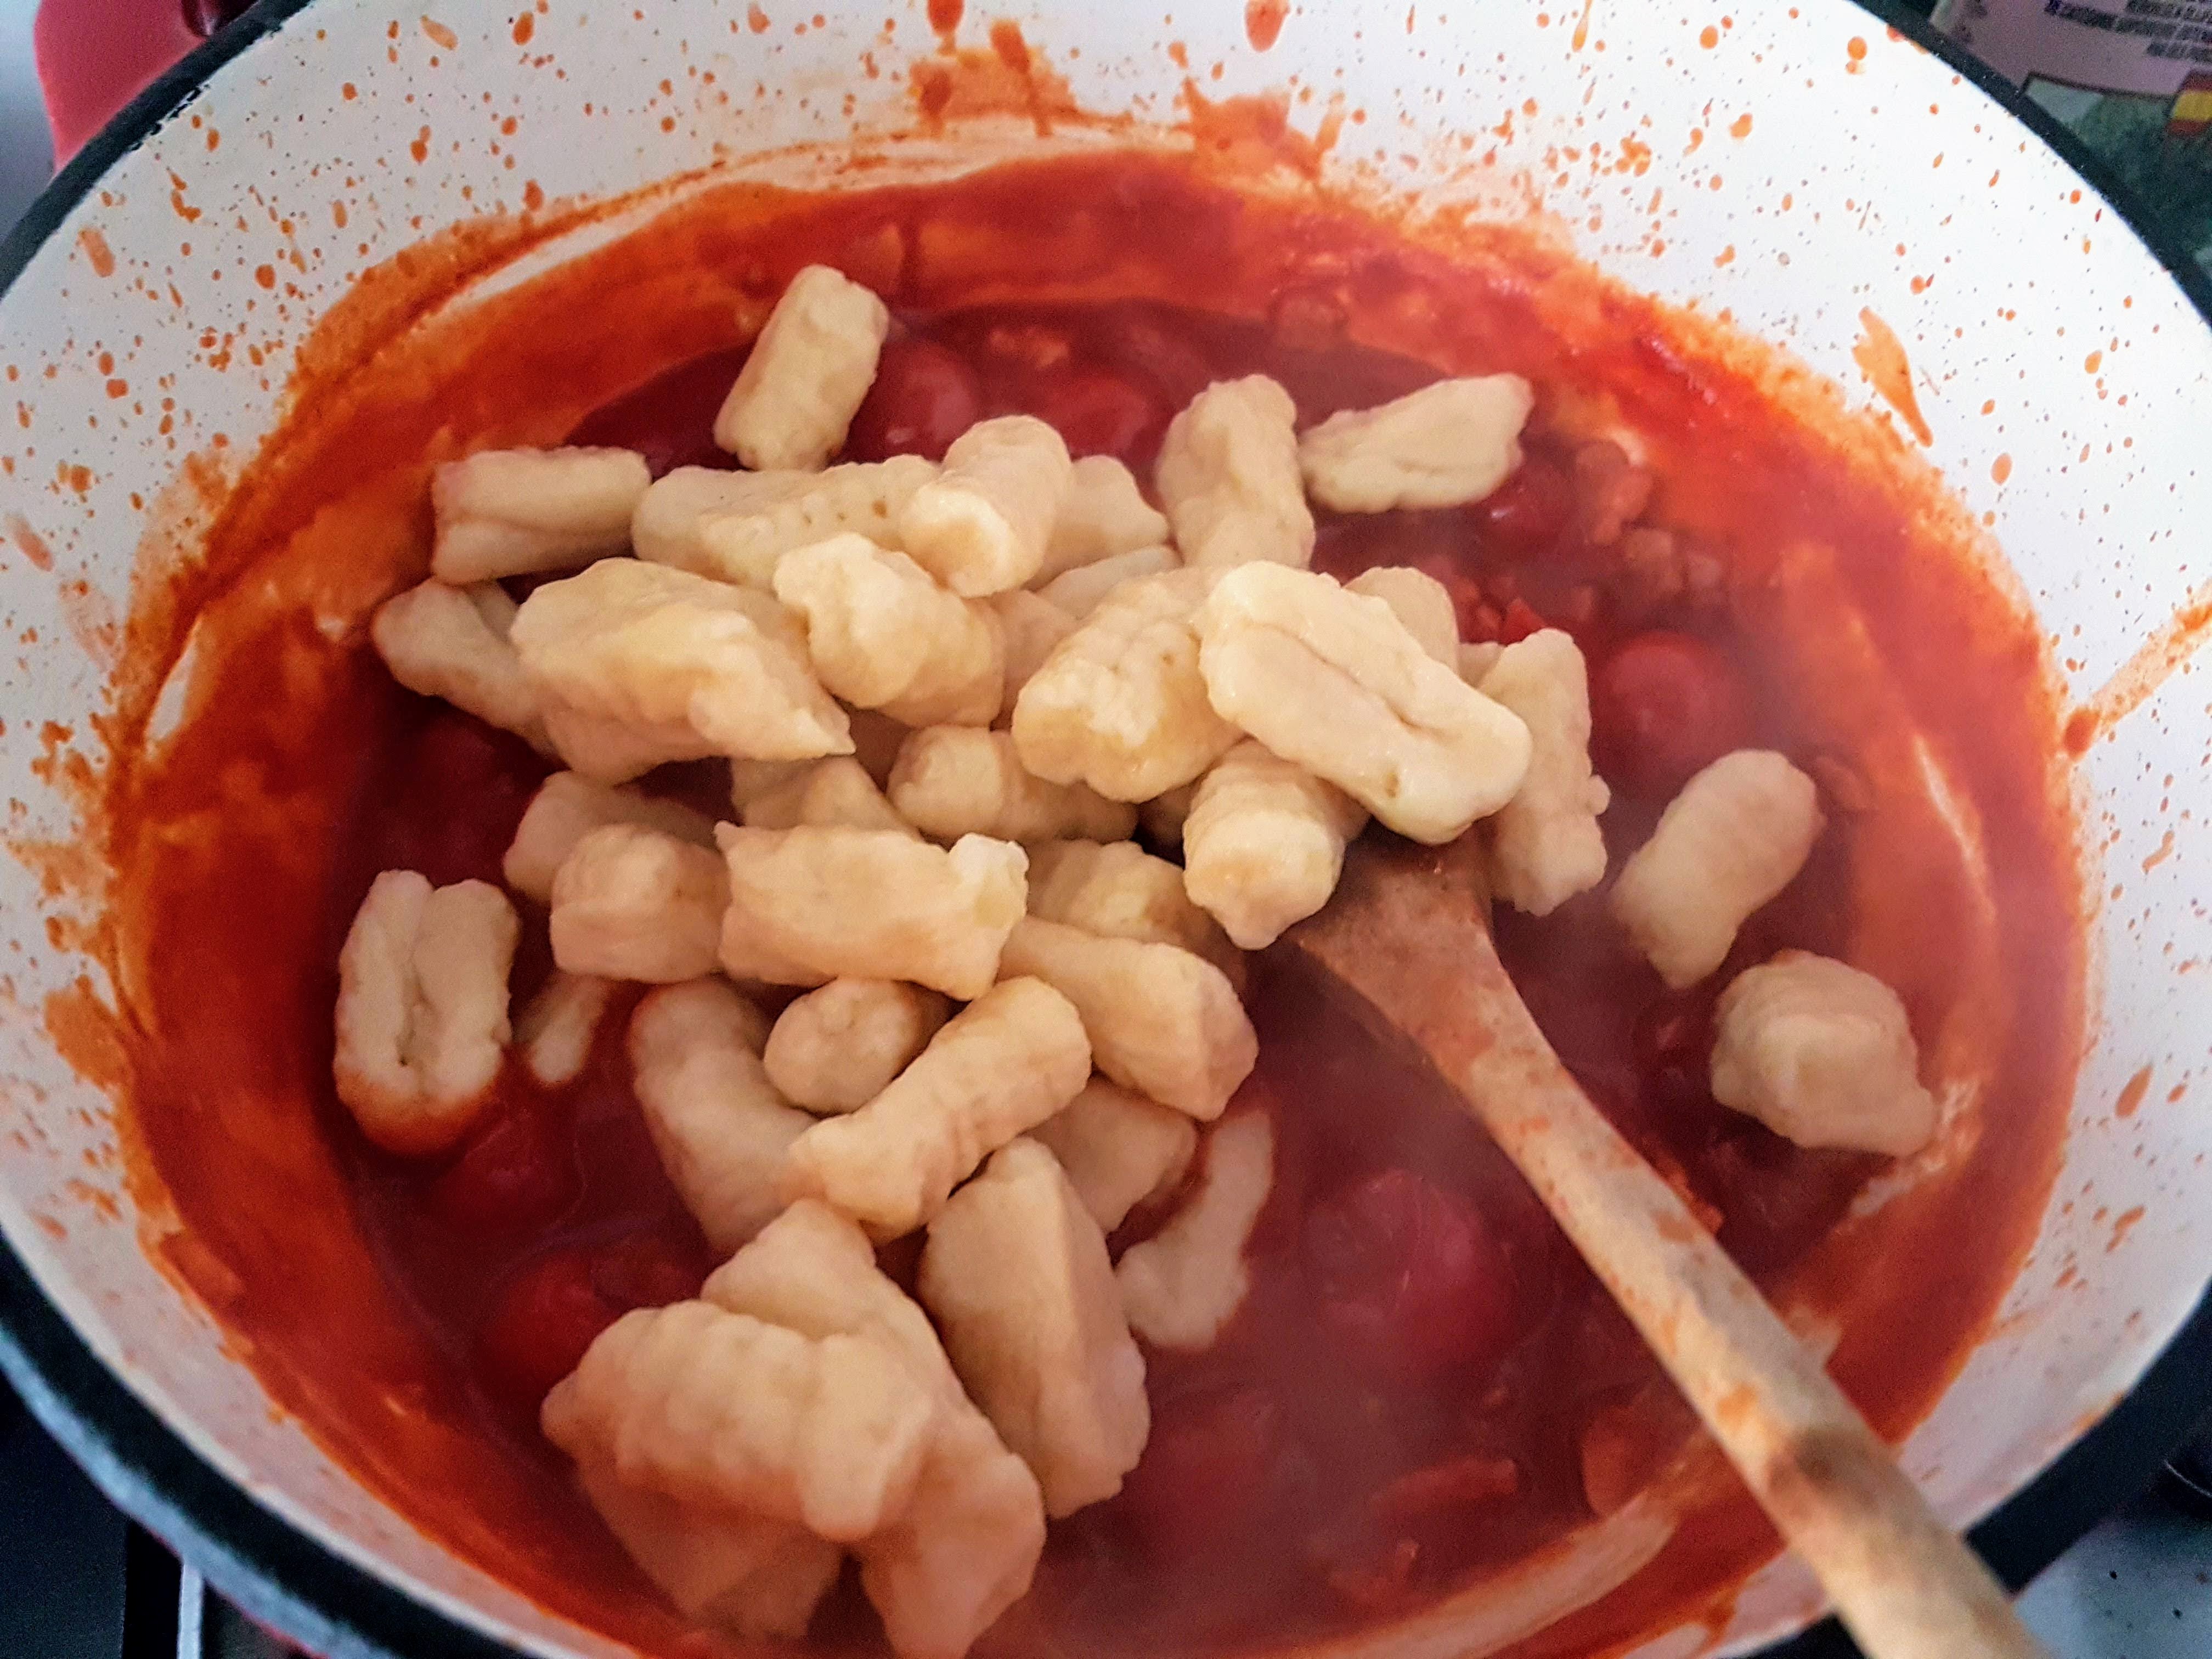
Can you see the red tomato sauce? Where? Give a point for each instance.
(1423, 1384)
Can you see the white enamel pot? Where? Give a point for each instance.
(1814, 159)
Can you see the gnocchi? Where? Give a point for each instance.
(421, 1020)
(1161, 1021)
(980, 525)
(1228, 475)
(1183, 1286)
(809, 905)
(451, 642)
(1444, 445)
(1822, 1054)
(738, 526)
(836, 1049)
(1003, 1065)
(1081, 591)
(1264, 843)
(1016, 1273)
(1544, 843)
(1117, 889)
(804, 378)
(516, 511)
(721, 1130)
(833, 792)
(1737, 834)
(1332, 682)
(1119, 1150)
(1104, 514)
(727, 1411)
(1420, 602)
(628, 642)
(567, 807)
(883, 635)
(556, 1030)
(1122, 706)
(955, 780)
(632, 904)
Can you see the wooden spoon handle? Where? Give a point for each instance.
(1902, 1582)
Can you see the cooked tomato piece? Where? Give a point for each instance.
(1664, 706)
(548, 1315)
(1101, 413)
(924, 397)
(515, 1176)
(1408, 1278)
(1528, 514)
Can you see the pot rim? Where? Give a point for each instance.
(288, 1580)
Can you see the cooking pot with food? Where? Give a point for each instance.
(676, 669)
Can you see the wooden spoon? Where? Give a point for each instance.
(1407, 943)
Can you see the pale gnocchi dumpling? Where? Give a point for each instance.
(452, 643)
(1735, 836)
(1017, 1274)
(806, 375)
(1119, 1149)
(737, 526)
(1544, 843)
(631, 903)
(727, 1411)
(1333, 681)
(743, 1574)
(955, 780)
(837, 790)
(1264, 843)
(1228, 475)
(567, 807)
(516, 511)
(556, 1030)
(614, 751)
(1032, 627)
(1104, 514)
(980, 525)
(1118, 889)
(883, 635)
(1183, 1286)
(1161, 1021)
(1445, 445)
(1822, 1054)
(720, 1126)
(836, 1049)
(1081, 591)
(1002, 1066)
(1122, 706)
(422, 1020)
(968, 1545)
(809, 905)
(627, 642)
(1418, 601)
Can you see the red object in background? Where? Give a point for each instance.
(95, 56)
(1663, 707)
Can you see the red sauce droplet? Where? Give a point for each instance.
(524, 26)
(2001, 468)
(1880, 357)
(2131, 1097)
(1263, 21)
(2081, 732)
(1709, 36)
(945, 17)
(1007, 40)
(97, 251)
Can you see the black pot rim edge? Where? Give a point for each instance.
(276, 1573)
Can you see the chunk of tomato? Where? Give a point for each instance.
(1408, 1279)
(514, 1177)
(548, 1315)
(924, 397)
(1101, 413)
(1663, 707)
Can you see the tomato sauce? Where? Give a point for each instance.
(1423, 1384)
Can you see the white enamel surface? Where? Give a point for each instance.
(1792, 227)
